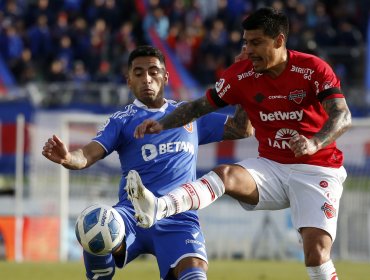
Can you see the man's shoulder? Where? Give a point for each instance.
(128, 111)
(174, 103)
(306, 59)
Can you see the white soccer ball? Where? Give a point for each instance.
(100, 229)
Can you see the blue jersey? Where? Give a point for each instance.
(164, 161)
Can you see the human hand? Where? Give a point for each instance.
(147, 127)
(55, 150)
(301, 145)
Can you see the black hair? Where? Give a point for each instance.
(272, 22)
(146, 50)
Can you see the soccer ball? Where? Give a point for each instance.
(100, 229)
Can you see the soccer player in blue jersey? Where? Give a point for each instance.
(164, 161)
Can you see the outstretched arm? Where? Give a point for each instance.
(238, 126)
(182, 115)
(55, 150)
(339, 121)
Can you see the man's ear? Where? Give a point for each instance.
(166, 77)
(280, 40)
(128, 80)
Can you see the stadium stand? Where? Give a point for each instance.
(89, 41)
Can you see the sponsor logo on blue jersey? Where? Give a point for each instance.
(151, 151)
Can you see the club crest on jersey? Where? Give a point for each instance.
(329, 210)
(189, 127)
(297, 96)
(219, 84)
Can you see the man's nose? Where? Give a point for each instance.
(147, 78)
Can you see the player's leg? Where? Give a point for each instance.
(315, 194)
(103, 267)
(99, 267)
(317, 245)
(179, 246)
(191, 268)
(234, 179)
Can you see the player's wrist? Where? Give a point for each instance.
(67, 161)
(317, 143)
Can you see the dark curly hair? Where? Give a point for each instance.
(146, 50)
(272, 22)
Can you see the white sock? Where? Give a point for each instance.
(326, 271)
(191, 196)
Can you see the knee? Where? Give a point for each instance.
(222, 170)
(189, 263)
(226, 173)
(317, 245)
(316, 256)
(238, 182)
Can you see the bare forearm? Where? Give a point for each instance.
(76, 160)
(339, 122)
(187, 113)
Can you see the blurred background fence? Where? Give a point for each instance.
(62, 71)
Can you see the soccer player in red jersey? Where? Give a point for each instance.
(296, 106)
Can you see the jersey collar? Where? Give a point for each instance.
(141, 105)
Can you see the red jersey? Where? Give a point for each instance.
(282, 107)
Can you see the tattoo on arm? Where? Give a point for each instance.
(187, 113)
(238, 126)
(339, 121)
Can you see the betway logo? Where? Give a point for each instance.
(281, 116)
(150, 151)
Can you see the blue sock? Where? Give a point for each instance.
(193, 273)
(99, 267)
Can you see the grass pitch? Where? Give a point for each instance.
(147, 270)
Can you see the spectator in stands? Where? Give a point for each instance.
(80, 75)
(104, 74)
(61, 28)
(65, 52)
(39, 40)
(112, 15)
(13, 45)
(157, 20)
(24, 70)
(81, 38)
(57, 72)
(110, 29)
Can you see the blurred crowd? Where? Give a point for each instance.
(89, 40)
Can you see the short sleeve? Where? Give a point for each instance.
(326, 83)
(110, 134)
(225, 91)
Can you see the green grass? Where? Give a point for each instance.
(147, 270)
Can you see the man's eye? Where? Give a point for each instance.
(153, 72)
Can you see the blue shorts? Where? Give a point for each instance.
(169, 240)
